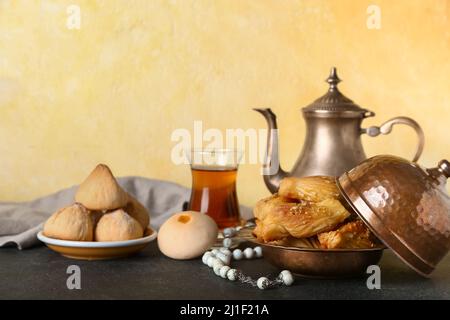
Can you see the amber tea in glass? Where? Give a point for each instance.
(214, 175)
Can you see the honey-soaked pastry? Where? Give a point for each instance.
(118, 226)
(311, 243)
(277, 218)
(314, 189)
(352, 235)
(266, 206)
(266, 228)
(100, 191)
(135, 209)
(70, 223)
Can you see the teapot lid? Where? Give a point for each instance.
(335, 102)
(405, 205)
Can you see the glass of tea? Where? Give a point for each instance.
(214, 174)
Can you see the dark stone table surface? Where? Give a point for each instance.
(40, 273)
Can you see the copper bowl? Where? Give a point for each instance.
(317, 263)
(322, 263)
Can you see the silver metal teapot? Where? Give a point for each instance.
(333, 137)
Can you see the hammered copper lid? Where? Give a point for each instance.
(334, 101)
(406, 206)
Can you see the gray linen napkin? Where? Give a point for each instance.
(20, 222)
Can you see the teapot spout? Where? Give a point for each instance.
(271, 168)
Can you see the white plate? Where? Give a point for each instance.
(96, 244)
(96, 250)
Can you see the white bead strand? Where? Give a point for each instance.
(286, 277)
(227, 242)
(258, 252)
(262, 283)
(206, 256)
(232, 274)
(224, 258)
(248, 253)
(224, 271)
(237, 254)
(219, 260)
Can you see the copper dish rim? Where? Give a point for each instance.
(382, 247)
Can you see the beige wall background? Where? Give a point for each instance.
(115, 90)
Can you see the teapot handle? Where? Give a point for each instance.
(386, 128)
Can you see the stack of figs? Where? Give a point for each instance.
(102, 211)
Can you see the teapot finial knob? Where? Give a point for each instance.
(333, 79)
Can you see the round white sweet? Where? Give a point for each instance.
(187, 235)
